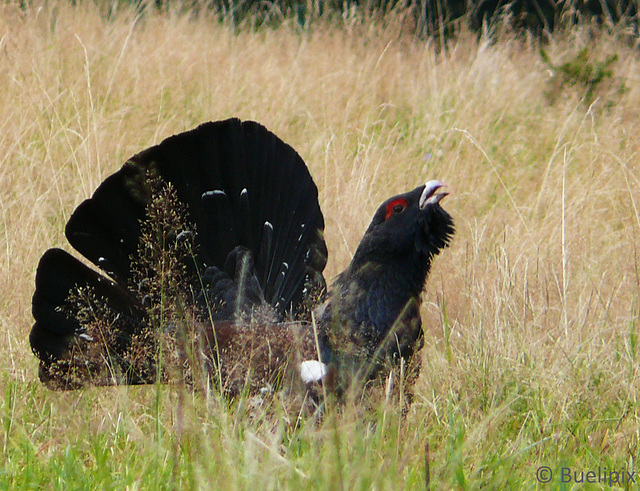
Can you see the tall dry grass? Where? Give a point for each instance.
(531, 317)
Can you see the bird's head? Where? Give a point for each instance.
(409, 223)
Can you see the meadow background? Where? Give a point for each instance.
(531, 316)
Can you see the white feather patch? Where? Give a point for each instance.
(312, 371)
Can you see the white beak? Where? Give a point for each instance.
(429, 195)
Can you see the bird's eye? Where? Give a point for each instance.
(396, 206)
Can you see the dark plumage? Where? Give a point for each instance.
(213, 249)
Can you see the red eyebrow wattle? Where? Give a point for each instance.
(392, 204)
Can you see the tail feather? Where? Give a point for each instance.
(56, 333)
(266, 246)
(218, 229)
(106, 228)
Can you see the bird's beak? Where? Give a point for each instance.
(429, 195)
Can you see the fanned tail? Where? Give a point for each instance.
(248, 195)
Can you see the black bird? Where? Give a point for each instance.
(372, 314)
(211, 251)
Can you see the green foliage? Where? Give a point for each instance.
(582, 72)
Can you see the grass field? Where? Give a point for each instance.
(531, 317)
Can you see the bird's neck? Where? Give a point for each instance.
(403, 273)
(381, 291)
